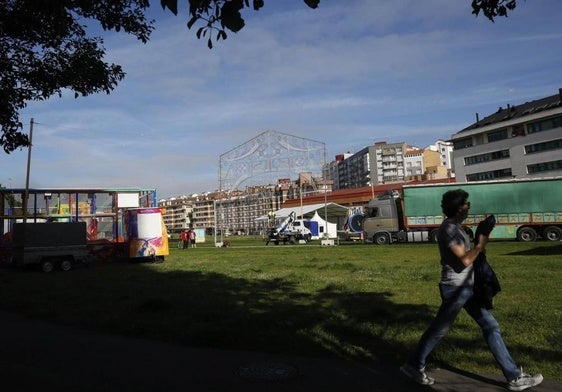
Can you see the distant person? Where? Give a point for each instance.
(456, 289)
(192, 238)
(184, 239)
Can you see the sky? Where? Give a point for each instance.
(347, 74)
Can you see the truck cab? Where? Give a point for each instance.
(383, 219)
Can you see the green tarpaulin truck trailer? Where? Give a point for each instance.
(524, 210)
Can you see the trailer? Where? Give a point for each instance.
(525, 210)
(49, 245)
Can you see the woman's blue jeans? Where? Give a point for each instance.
(454, 298)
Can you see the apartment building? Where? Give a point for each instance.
(354, 171)
(445, 148)
(416, 160)
(521, 141)
(330, 169)
(237, 213)
(193, 211)
(388, 163)
(178, 213)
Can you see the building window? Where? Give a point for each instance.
(518, 130)
(497, 135)
(491, 156)
(545, 146)
(462, 143)
(544, 125)
(491, 175)
(545, 166)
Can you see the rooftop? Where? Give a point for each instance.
(518, 111)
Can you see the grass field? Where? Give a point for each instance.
(359, 302)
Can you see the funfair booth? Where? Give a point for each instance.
(110, 228)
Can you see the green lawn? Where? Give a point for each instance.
(360, 302)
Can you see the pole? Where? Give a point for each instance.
(26, 195)
(326, 234)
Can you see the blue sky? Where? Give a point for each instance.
(347, 74)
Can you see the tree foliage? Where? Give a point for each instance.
(493, 8)
(221, 15)
(47, 48)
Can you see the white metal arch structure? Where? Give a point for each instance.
(263, 160)
(269, 156)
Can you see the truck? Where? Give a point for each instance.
(525, 209)
(49, 245)
(291, 230)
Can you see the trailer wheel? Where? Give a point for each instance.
(47, 266)
(552, 233)
(66, 264)
(526, 234)
(433, 235)
(381, 239)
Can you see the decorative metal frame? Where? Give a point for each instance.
(269, 156)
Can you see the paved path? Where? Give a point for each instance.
(35, 355)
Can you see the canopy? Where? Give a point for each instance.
(332, 210)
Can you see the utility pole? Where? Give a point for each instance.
(26, 196)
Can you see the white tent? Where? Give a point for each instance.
(316, 212)
(324, 227)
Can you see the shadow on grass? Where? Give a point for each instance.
(212, 310)
(540, 251)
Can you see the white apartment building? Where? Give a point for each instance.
(522, 141)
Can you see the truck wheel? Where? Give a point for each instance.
(381, 239)
(47, 266)
(433, 235)
(552, 233)
(526, 234)
(66, 264)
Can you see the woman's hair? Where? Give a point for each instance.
(452, 200)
